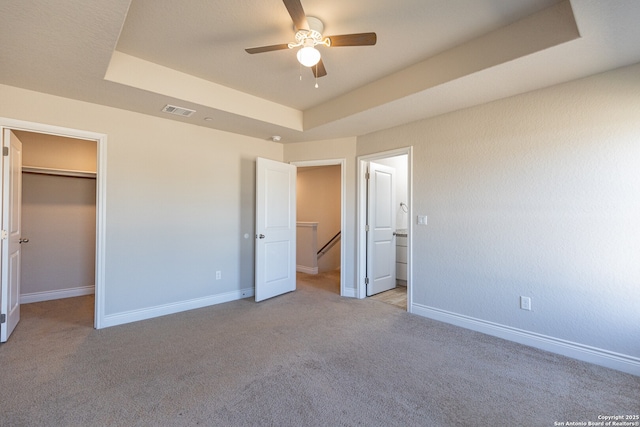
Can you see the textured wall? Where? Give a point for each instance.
(51, 151)
(535, 195)
(179, 200)
(59, 218)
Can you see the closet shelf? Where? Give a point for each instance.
(60, 172)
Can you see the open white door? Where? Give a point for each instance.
(11, 229)
(381, 219)
(275, 228)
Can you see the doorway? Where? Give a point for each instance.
(100, 177)
(58, 217)
(331, 231)
(399, 160)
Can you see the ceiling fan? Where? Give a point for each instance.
(309, 35)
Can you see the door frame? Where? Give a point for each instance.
(361, 220)
(101, 205)
(344, 236)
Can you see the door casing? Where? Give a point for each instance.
(101, 179)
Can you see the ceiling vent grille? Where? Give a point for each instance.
(178, 111)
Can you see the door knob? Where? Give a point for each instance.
(261, 236)
(25, 240)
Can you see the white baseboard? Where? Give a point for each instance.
(163, 310)
(57, 294)
(349, 292)
(305, 269)
(598, 356)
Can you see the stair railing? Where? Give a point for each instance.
(329, 243)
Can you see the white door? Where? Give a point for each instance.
(11, 229)
(381, 219)
(275, 228)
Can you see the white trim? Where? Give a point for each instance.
(59, 172)
(344, 290)
(350, 293)
(57, 294)
(101, 194)
(307, 224)
(598, 356)
(307, 270)
(101, 232)
(166, 309)
(361, 220)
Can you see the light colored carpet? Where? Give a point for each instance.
(307, 358)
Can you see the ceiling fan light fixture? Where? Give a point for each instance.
(308, 35)
(308, 56)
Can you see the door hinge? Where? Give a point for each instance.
(366, 175)
(4, 235)
(5, 151)
(366, 227)
(366, 280)
(3, 318)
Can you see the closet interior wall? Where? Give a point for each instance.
(58, 217)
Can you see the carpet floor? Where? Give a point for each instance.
(307, 358)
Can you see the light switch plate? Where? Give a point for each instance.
(422, 220)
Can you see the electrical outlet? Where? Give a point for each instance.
(218, 275)
(525, 303)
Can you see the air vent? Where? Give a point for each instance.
(178, 111)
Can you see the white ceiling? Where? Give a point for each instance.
(432, 57)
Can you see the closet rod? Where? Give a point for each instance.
(60, 172)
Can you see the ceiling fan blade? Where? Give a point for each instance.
(319, 70)
(297, 14)
(267, 48)
(360, 39)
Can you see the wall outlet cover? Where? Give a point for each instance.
(525, 303)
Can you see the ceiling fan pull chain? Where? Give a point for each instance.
(316, 76)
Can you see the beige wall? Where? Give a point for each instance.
(179, 199)
(344, 148)
(59, 218)
(51, 151)
(318, 200)
(307, 247)
(536, 195)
